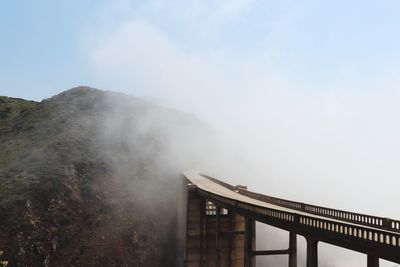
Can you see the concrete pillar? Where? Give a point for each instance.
(292, 249)
(249, 242)
(195, 230)
(238, 241)
(312, 253)
(217, 233)
(372, 261)
(230, 240)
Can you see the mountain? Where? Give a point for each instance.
(91, 178)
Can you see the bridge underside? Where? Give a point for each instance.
(217, 237)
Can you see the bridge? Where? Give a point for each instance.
(221, 218)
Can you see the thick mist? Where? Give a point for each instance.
(146, 147)
(297, 155)
(330, 138)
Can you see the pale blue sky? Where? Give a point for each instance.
(315, 45)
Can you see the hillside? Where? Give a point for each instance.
(12, 107)
(87, 179)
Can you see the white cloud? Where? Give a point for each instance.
(333, 146)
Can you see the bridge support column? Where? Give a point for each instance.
(195, 226)
(292, 249)
(312, 253)
(372, 261)
(249, 242)
(217, 233)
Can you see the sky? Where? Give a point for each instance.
(308, 91)
(49, 46)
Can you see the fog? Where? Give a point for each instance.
(330, 142)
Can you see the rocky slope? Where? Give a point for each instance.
(87, 179)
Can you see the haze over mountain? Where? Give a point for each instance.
(89, 178)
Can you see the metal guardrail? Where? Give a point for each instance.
(352, 217)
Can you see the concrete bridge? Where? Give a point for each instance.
(221, 232)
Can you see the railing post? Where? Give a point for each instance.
(312, 252)
(372, 261)
(292, 249)
(248, 242)
(387, 223)
(217, 231)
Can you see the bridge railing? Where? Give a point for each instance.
(350, 230)
(352, 217)
(363, 219)
(361, 233)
